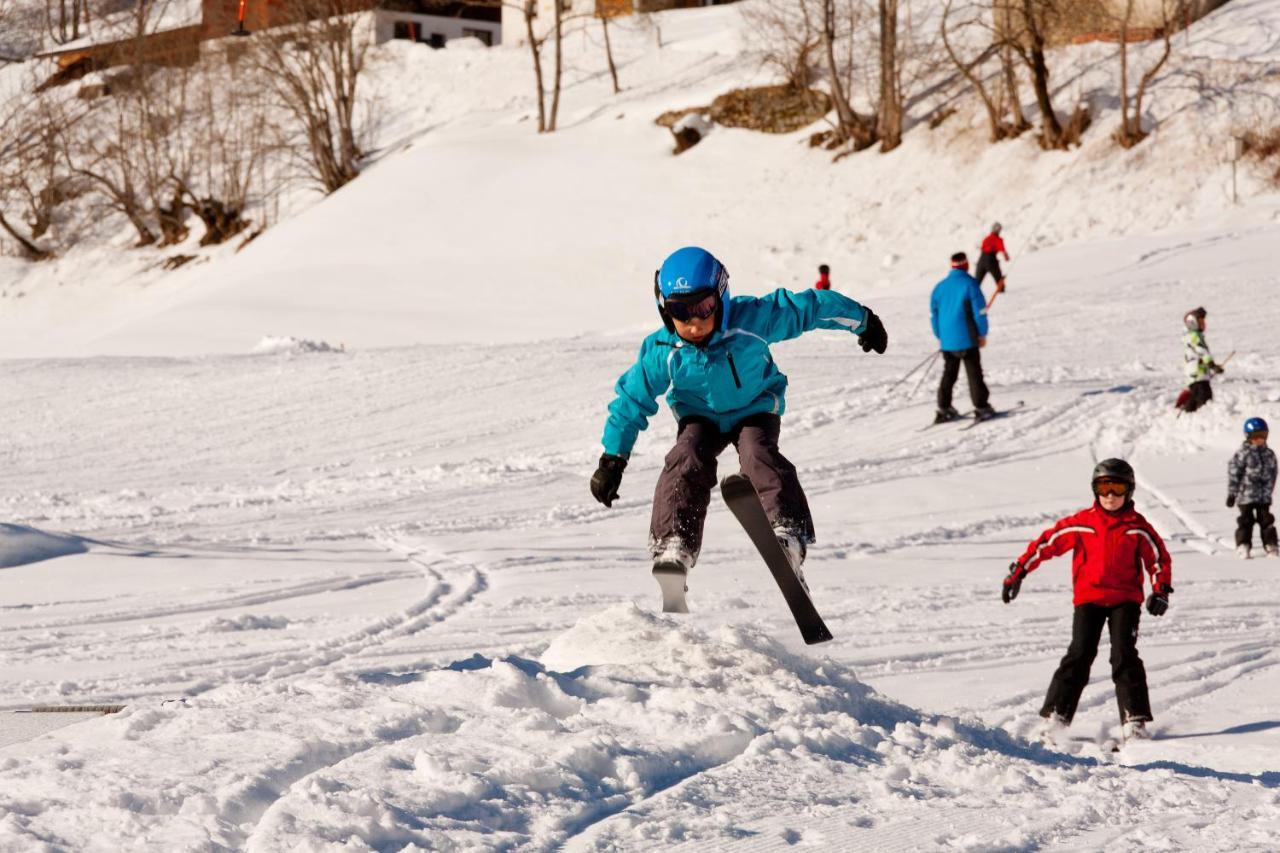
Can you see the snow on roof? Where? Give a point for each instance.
(159, 16)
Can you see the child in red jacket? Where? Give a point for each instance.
(1112, 545)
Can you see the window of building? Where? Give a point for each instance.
(484, 35)
(436, 40)
(401, 30)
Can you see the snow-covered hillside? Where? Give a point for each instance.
(464, 193)
(360, 598)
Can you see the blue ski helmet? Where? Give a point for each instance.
(686, 272)
(1255, 425)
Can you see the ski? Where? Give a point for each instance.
(745, 505)
(961, 417)
(1001, 413)
(671, 577)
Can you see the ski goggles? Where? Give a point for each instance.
(1262, 434)
(1114, 488)
(699, 308)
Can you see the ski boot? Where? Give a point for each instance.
(1243, 551)
(1273, 551)
(950, 413)
(984, 413)
(1053, 729)
(1135, 730)
(672, 561)
(795, 550)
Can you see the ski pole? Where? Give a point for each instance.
(928, 358)
(925, 375)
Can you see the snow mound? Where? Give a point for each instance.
(245, 622)
(287, 344)
(20, 545)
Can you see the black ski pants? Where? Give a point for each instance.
(972, 359)
(1127, 671)
(689, 474)
(1259, 514)
(988, 264)
(1201, 393)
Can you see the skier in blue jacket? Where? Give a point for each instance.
(959, 317)
(712, 359)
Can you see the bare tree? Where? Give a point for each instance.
(30, 178)
(977, 17)
(64, 22)
(313, 69)
(890, 114)
(604, 9)
(852, 127)
(1028, 23)
(788, 36)
(234, 138)
(1130, 132)
(559, 64)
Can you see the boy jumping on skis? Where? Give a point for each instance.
(1199, 363)
(713, 355)
(1251, 479)
(1112, 546)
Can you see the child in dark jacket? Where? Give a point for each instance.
(1112, 545)
(1251, 479)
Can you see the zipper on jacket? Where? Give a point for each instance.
(734, 370)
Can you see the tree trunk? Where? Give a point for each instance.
(1020, 122)
(889, 124)
(30, 249)
(608, 50)
(1051, 128)
(555, 86)
(844, 112)
(535, 47)
(1126, 131)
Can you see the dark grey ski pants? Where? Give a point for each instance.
(972, 359)
(1127, 671)
(1262, 516)
(684, 487)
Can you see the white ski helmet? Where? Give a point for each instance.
(1194, 319)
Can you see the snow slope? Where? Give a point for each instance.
(462, 193)
(360, 598)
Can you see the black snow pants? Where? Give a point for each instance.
(1261, 515)
(1127, 671)
(1201, 393)
(978, 391)
(689, 474)
(988, 263)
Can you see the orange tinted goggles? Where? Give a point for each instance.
(1110, 487)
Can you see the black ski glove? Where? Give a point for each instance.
(1158, 600)
(874, 337)
(607, 478)
(1231, 501)
(1012, 583)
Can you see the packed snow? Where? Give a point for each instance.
(316, 514)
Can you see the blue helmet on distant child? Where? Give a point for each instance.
(1255, 425)
(688, 276)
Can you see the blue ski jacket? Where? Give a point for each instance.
(958, 312)
(730, 377)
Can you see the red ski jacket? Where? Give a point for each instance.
(1111, 553)
(993, 243)
(823, 283)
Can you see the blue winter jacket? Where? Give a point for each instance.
(958, 312)
(733, 375)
